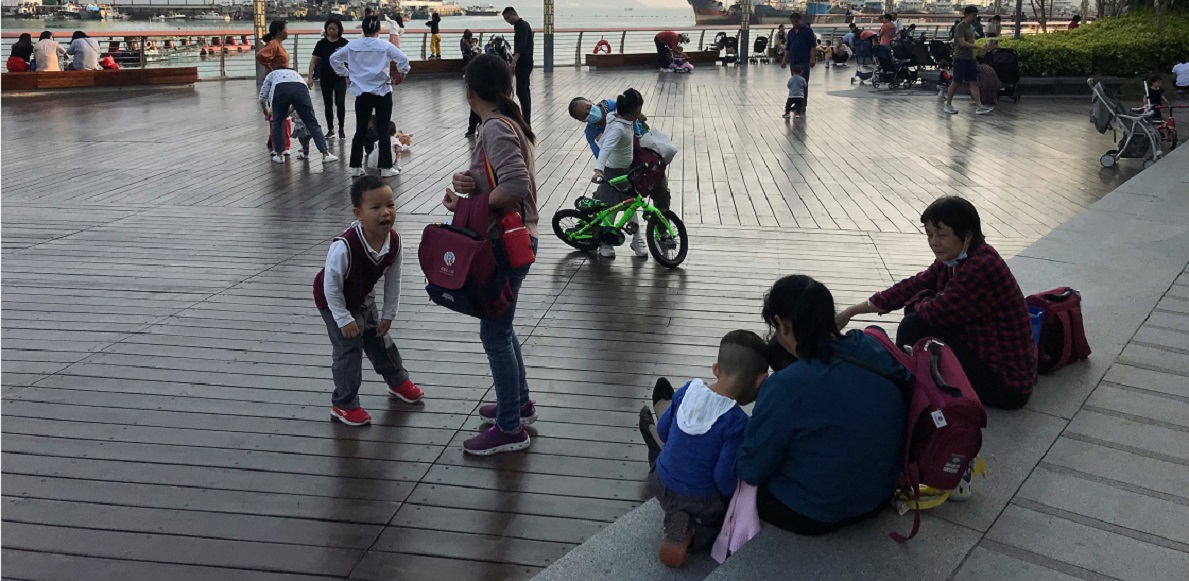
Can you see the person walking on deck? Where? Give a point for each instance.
(801, 50)
(522, 60)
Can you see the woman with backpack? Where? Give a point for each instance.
(502, 165)
(968, 299)
(825, 438)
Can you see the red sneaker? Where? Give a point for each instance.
(407, 392)
(355, 417)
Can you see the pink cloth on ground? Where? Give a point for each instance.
(741, 524)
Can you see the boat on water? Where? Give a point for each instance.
(941, 8)
(69, 11)
(95, 12)
(421, 9)
(482, 10)
(212, 16)
(716, 12)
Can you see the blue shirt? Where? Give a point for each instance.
(594, 130)
(827, 438)
(801, 45)
(701, 465)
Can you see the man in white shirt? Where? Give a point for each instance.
(1182, 72)
(366, 61)
(282, 90)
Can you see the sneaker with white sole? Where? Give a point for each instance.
(965, 489)
(983, 111)
(949, 108)
(639, 246)
(407, 392)
(277, 159)
(390, 172)
(288, 153)
(330, 158)
(496, 441)
(528, 413)
(356, 172)
(352, 417)
(606, 251)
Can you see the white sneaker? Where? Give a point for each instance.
(287, 153)
(329, 157)
(983, 110)
(639, 246)
(949, 108)
(302, 155)
(356, 172)
(606, 251)
(392, 172)
(277, 159)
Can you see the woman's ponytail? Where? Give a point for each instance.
(629, 103)
(274, 28)
(808, 307)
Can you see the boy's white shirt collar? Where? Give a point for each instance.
(375, 256)
(700, 408)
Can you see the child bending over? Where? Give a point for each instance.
(701, 431)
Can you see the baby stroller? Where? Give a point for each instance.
(922, 57)
(730, 44)
(1007, 68)
(1141, 139)
(864, 61)
(499, 47)
(939, 52)
(891, 71)
(759, 53)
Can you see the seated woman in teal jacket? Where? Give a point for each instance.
(825, 438)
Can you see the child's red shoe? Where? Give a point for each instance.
(678, 535)
(355, 417)
(407, 392)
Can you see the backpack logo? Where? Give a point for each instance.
(448, 297)
(449, 258)
(938, 419)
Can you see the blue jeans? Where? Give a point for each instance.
(503, 351)
(297, 96)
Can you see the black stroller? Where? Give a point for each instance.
(891, 71)
(730, 44)
(1007, 68)
(759, 53)
(499, 47)
(940, 52)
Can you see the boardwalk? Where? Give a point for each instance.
(165, 373)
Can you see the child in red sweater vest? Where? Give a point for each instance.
(344, 293)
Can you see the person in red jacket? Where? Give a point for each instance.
(668, 45)
(969, 299)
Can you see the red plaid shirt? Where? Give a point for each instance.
(982, 300)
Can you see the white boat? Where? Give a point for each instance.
(212, 16)
(70, 10)
(941, 8)
(911, 7)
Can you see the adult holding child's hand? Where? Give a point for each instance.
(502, 167)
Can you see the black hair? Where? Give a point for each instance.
(794, 16)
(778, 356)
(797, 69)
(957, 213)
(574, 103)
(274, 28)
(1076, 18)
(629, 103)
(491, 79)
(77, 35)
(370, 25)
(1152, 78)
(334, 21)
(888, 16)
(807, 306)
(366, 183)
(970, 10)
(46, 34)
(508, 10)
(399, 20)
(854, 26)
(996, 17)
(742, 355)
(24, 42)
(392, 127)
(467, 34)
(436, 17)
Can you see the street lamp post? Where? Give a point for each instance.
(549, 12)
(258, 16)
(744, 31)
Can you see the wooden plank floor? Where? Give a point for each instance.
(165, 373)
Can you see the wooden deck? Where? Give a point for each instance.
(165, 373)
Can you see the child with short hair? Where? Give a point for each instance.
(301, 134)
(344, 293)
(1155, 96)
(796, 100)
(701, 430)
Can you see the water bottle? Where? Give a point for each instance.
(517, 243)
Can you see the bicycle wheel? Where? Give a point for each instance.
(668, 250)
(566, 222)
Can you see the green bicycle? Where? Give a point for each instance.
(591, 223)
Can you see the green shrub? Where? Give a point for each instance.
(1121, 46)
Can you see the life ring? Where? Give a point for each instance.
(602, 44)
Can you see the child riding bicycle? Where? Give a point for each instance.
(615, 160)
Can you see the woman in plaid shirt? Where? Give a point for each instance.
(969, 299)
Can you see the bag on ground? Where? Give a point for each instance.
(1062, 337)
(460, 266)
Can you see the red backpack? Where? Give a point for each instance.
(1062, 338)
(945, 417)
(460, 266)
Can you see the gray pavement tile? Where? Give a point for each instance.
(1013, 443)
(1139, 437)
(985, 564)
(1127, 468)
(1141, 405)
(1148, 379)
(1152, 334)
(1091, 548)
(1112, 504)
(1178, 363)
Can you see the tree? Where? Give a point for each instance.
(1041, 10)
(1162, 8)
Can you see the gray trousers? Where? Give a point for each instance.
(706, 513)
(347, 365)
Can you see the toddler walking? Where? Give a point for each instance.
(694, 476)
(344, 293)
(796, 100)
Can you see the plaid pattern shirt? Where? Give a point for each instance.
(982, 300)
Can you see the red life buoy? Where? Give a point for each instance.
(602, 44)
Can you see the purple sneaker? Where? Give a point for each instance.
(496, 441)
(528, 413)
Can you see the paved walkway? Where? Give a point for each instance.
(165, 377)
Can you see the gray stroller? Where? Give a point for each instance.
(1141, 139)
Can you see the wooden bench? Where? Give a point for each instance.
(435, 66)
(596, 61)
(52, 80)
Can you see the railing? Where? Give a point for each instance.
(226, 54)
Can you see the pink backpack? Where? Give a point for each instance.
(1062, 338)
(945, 417)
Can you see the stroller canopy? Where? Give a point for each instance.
(1006, 65)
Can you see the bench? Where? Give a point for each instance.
(51, 80)
(595, 61)
(435, 66)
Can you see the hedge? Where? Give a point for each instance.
(1121, 46)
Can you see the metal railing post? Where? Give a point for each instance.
(296, 58)
(702, 41)
(424, 42)
(578, 50)
(622, 40)
(222, 64)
